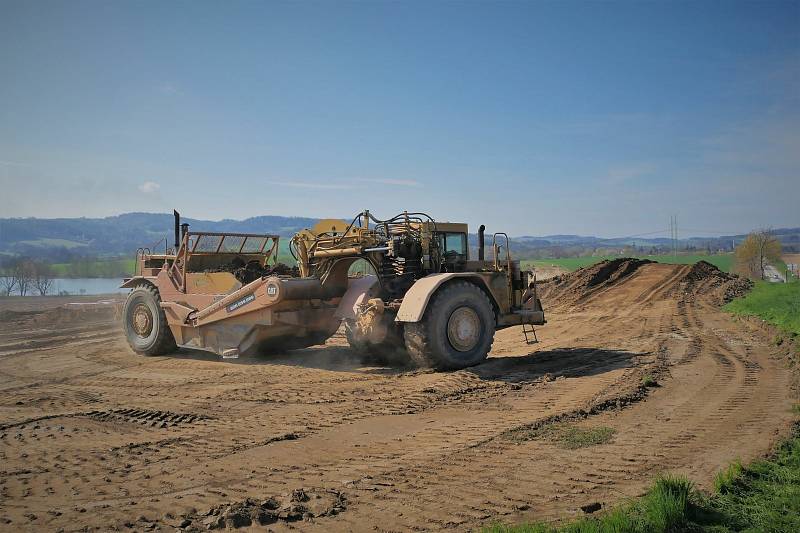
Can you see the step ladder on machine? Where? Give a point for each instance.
(527, 332)
(527, 328)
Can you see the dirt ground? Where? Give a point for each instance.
(95, 437)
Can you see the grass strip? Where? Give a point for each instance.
(776, 303)
(762, 496)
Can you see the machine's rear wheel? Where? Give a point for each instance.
(145, 322)
(456, 331)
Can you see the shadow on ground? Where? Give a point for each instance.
(567, 362)
(557, 362)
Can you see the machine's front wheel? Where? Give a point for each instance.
(145, 322)
(456, 331)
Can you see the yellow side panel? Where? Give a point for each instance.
(211, 283)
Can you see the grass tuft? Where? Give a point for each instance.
(649, 381)
(666, 504)
(568, 436)
(725, 479)
(573, 438)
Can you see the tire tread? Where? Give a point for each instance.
(418, 335)
(165, 341)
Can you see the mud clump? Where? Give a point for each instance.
(300, 504)
(575, 286)
(707, 280)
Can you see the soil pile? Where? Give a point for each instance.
(575, 286)
(707, 280)
(685, 283)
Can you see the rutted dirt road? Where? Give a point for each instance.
(93, 436)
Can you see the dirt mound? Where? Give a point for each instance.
(680, 282)
(707, 280)
(573, 287)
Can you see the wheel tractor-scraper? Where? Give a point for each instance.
(419, 294)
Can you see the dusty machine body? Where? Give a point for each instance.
(418, 293)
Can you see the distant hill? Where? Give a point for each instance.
(121, 234)
(65, 238)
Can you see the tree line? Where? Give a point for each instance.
(25, 276)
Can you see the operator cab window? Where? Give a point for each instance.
(454, 246)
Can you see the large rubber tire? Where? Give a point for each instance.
(145, 322)
(390, 351)
(456, 331)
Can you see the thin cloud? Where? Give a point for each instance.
(626, 173)
(340, 185)
(309, 185)
(399, 183)
(12, 164)
(149, 187)
(169, 88)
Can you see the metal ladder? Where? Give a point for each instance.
(527, 332)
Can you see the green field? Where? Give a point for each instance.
(777, 303)
(61, 243)
(723, 262)
(112, 268)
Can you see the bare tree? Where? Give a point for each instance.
(42, 278)
(756, 251)
(7, 283)
(22, 271)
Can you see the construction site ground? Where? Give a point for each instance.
(95, 437)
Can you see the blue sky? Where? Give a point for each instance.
(599, 118)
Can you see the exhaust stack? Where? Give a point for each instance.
(480, 242)
(177, 229)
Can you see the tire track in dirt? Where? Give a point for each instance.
(659, 289)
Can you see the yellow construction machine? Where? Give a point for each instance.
(401, 287)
